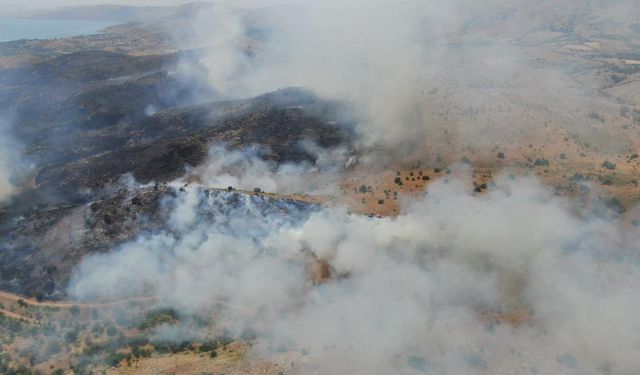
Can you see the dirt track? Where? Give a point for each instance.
(6, 296)
(69, 304)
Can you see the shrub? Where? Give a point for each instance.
(75, 310)
(159, 317)
(596, 116)
(541, 163)
(112, 331)
(207, 346)
(625, 111)
(608, 180)
(609, 165)
(114, 358)
(71, 336)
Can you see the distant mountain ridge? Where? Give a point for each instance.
(120, 13)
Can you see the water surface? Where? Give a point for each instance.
(15, 29)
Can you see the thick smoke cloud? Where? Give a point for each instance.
(367, 54)
(416, 291)
(418, 72)
(246, 170)
(514, 281)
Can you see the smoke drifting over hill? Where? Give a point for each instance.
(245, 170)
(513, 281)
(385, 57)
(367, 54)
(424, 284)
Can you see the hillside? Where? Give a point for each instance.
(410, 187)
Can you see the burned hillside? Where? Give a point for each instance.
(87, 119)
(334, 187)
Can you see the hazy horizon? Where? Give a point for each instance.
(8, 6)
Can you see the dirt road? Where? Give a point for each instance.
(68, 304)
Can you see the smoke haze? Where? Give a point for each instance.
(334, 49)
(9, 162)
(246, 170)
(517, 280)
(426, 283)
(410, 71)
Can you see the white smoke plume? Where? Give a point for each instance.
(412, 293)
(246, 170)
(368, 54)
(9, 162)
(514, 281)
(414, 72)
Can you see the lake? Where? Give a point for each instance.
(15, 29)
